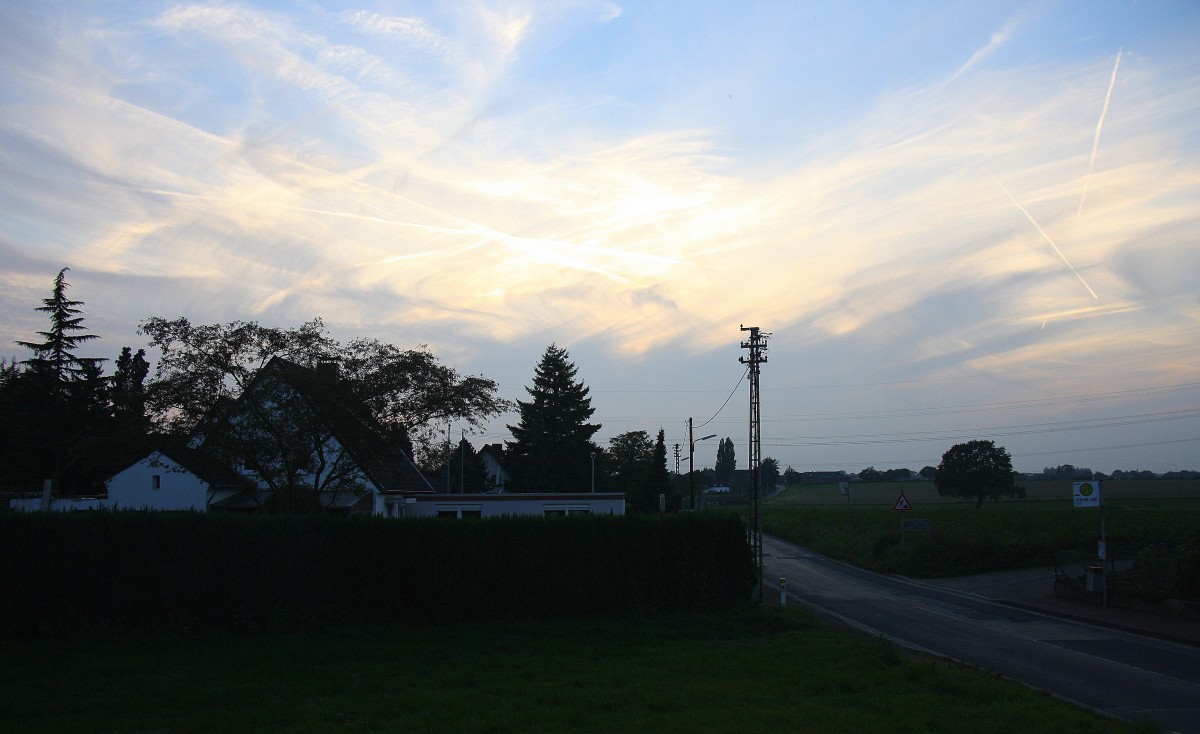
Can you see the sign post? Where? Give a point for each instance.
(845, 487)
(1087, 494)
(902, 505)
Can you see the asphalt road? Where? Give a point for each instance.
(1117, 673)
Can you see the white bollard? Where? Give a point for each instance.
(782, 591)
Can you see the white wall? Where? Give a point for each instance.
(57, 504)
(178, 488)
(495, 505)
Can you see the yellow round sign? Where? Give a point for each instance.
(1085, 489)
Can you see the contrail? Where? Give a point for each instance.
(1045, 236)
(1099, 127)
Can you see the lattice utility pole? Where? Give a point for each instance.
(757, 344)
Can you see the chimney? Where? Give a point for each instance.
(328, 369)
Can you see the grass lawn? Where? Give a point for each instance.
(1001, 535)
(754, 671)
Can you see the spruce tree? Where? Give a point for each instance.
(552, 443)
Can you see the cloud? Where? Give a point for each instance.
(442, 208)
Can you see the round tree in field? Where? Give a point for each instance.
(976, 469)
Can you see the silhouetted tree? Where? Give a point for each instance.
(552, 443)
(726, 462)
(58, 405)
(976, 469)
(768, 474)
(660, 480)
(406, 391)
(628, 463)
(55, 356)
(468, 473)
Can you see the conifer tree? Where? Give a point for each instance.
(55, 356)
(660, 481)
(63, 402)
(552, 443)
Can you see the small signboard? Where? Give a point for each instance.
(845, 487)
(916, 526)
(902, 504)
(1087, 494)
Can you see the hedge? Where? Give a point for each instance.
(185, 571)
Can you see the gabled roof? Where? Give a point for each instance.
(204, 465)
(351, 422)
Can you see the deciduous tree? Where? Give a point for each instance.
(407, 390)
(726, 462)
(976, 469)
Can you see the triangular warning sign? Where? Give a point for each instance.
(902, 504)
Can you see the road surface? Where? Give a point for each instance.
(1117, 673)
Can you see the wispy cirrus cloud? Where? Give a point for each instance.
(387, 173)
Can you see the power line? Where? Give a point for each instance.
(731, 394)
(998, 431)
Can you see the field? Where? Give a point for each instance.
(750, 670)
(1001, 535)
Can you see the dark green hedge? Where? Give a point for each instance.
(171, 571)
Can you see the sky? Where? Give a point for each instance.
(956, 220)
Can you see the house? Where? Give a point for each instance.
(495, 505)
(175, 478)
(492, 455)
(332, 447)
(292, 427)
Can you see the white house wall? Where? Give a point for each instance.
(497, 505)
(178, 488)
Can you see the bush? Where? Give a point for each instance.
(172, 571)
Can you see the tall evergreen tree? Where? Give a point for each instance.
(55, 356)
(726, 462)
(552, 443)
(660, 481)
(63, 402)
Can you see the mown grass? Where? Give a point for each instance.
(999, 536)
(751, 670)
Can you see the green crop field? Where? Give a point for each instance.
(1005, 534)
(751, 670)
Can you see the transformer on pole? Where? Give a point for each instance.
(757, 344)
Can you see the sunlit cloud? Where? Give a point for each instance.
(452, 173)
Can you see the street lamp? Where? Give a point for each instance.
(691, 460)
(593, 472)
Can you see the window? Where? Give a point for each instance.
(156, 481)
(554, 513)
(447, 513)
(472, 513)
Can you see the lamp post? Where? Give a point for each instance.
(593, 472)
(691, 461)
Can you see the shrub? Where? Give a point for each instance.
(136, 570)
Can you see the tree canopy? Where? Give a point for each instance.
(552, 441)
(406, 390)
(976, 469)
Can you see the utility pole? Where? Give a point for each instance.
(677, 469)
(757, 344)
(692, 460)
